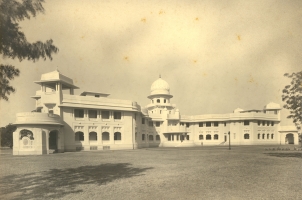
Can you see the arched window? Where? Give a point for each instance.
(93, 136)
(158, 100)
(200, 137)
(272, 136)
(208, 137)
(263, 136)
(216, 137)
(151, 137)
(143, 137)
(79, 136)
(165, 100)
(246, 136)
(117, 136)
(105, 136)
(267, 136)
(26, 133)
(259, 135)
(188, 137)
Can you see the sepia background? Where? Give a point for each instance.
(215, 55)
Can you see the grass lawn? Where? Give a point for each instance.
(245, 172)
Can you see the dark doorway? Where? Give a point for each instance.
(289, 139)
(53, 140)
(225, 138)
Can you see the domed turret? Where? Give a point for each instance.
(160, 87)
(272, 106)
(238, 110)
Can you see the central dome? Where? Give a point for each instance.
(160, 86)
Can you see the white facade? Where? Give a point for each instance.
(92, 121)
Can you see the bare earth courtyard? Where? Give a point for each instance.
(245, 172)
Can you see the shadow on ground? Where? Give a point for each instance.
(57, 183)
(292, 155)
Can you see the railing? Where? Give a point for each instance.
(176, 129)
(38, 118)
(38, 103)
(173, 116)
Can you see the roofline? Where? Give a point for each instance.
(153, 95)
(90, 92)
(57, 80)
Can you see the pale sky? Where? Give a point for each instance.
(215, 55)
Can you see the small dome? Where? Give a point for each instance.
(160, 87)
(238, 110)
(272, 106)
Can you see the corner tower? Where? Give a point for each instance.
(50, 96)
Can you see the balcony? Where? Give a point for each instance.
(176, 129)
(156, 116)
(38, 118)
(173, 116)
(39, 104)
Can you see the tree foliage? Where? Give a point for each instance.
(13, 42)
(292, 96)
(7, 135)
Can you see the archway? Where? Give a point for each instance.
(53, 140)
(289, 139)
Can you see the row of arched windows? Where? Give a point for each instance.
(151, 137)
(158, 101)
(79, 136)
(268, 136)
(209, 137)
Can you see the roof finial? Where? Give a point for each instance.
(159, 76)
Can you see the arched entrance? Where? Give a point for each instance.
(53, 140)
(289, 139)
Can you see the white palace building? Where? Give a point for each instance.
(90, 121)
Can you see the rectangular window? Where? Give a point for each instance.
(246, 123)
(263, 123)
(105, 114)
(208, 124)
(216, 124)
(200, 124)
(275, 112)
(259, 123)
(92, 114)
(143, 120)
(143, 137)
(117, 115)
(224, 123)
(150, 123)
(79, 113)
(273, 123)
(267, 123)
(187, 125)
(157, 137)
(157, 124)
